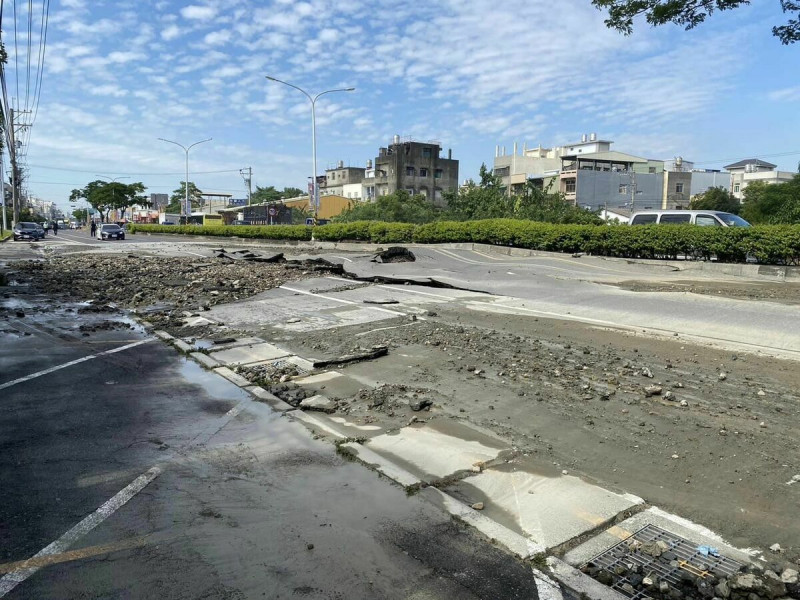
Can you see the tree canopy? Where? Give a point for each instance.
(272, 194)
(772, 203)
(688, 14)
(105, 196)
(716, 198)
(486, 199)
(179, 197)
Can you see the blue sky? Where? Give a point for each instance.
(119, 74)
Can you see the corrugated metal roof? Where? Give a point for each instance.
(610, 156)
(751, 161)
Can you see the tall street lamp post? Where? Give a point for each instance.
(187, 207)
(313, 99)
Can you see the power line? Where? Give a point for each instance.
(134, 173)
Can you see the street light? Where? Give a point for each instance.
(313, 100)
(187, 207)
(113, 190)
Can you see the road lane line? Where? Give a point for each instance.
(342, 257)
(88, 552)
(386, 310)
(73, 362)
(108, 508)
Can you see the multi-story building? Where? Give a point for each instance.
(749, 170)
(413, 166)
(339, 177)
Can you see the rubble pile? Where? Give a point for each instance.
(136, 281)
(654, 570)
(268, 373)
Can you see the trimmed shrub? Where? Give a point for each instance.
(269, 232)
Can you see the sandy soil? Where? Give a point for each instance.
(575, 397)
(783, 292)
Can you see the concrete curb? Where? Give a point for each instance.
(264, 396)
(375, 461)
(205, 360)
(232, 377)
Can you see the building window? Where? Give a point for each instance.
(410, 191)
(679, 188)
(502, 171)
(736, 188)
(423, 172)
(426, 153)
(651, 169)
(569, 186)
(437, 174)
(623, 188)
(410, 171)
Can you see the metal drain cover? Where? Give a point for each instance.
(628, 565)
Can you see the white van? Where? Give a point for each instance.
(712, 218)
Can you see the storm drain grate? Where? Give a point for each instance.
(689, 558)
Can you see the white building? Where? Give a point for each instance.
(746, 171)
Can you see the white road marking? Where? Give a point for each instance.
(13, 579)
(385, 328)
(342, 257)
(396, 288)
(195, 253)
(343, 301)
(73, 362)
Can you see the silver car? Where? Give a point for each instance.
(110, 231)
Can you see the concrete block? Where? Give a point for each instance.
(163, 335)
(232, 377)
(381, 464)
(273, 401)
(513, 541)
(204, 359)
(244, 355)
(183, 346)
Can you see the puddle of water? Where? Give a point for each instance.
(14, 303)
(213, 384)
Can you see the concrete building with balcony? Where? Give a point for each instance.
(414, 166)
(749, 170)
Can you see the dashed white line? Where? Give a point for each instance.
(71, 363)
(13, 579)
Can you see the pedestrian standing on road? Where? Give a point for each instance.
(55, 227)
(93, 229)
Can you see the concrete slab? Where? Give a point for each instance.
(244, 355)
(513, 541)
(205, 360)
(183, 346)
(317, 423)
(333, 383)
(656, 516)
(232, 377)
(437, 450)
(273, 401)
(163, 335)
(319, 403)
(210, 345)
(550, 509)
(381, 464)
(580, 583)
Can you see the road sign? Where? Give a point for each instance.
(272, 211)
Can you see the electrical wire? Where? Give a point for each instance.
(134, 173)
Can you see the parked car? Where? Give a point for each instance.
(110, 231)
(712, 218)
(28, 231)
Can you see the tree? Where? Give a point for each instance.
(105, 196)
(541, 204)
(772, 203)
(272, 194)
(178, 198)
(687, 13)
(81, 215)
(399, 207)
(716, 198)
(485, 200)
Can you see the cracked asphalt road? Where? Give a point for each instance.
(237, 502)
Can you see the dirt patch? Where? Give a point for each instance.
(708, 434)
(785, 293)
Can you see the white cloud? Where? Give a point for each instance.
(790, 94)
(217, 37)
(198, 13)
(124, 57)
(107, 90)
(170, 32)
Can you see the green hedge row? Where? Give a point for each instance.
(770, 244)
(269, 232)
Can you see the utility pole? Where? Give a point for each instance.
(4, 225)
(15, 170)
(248, 179)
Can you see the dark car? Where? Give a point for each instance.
(28, 231)
(110, 231)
